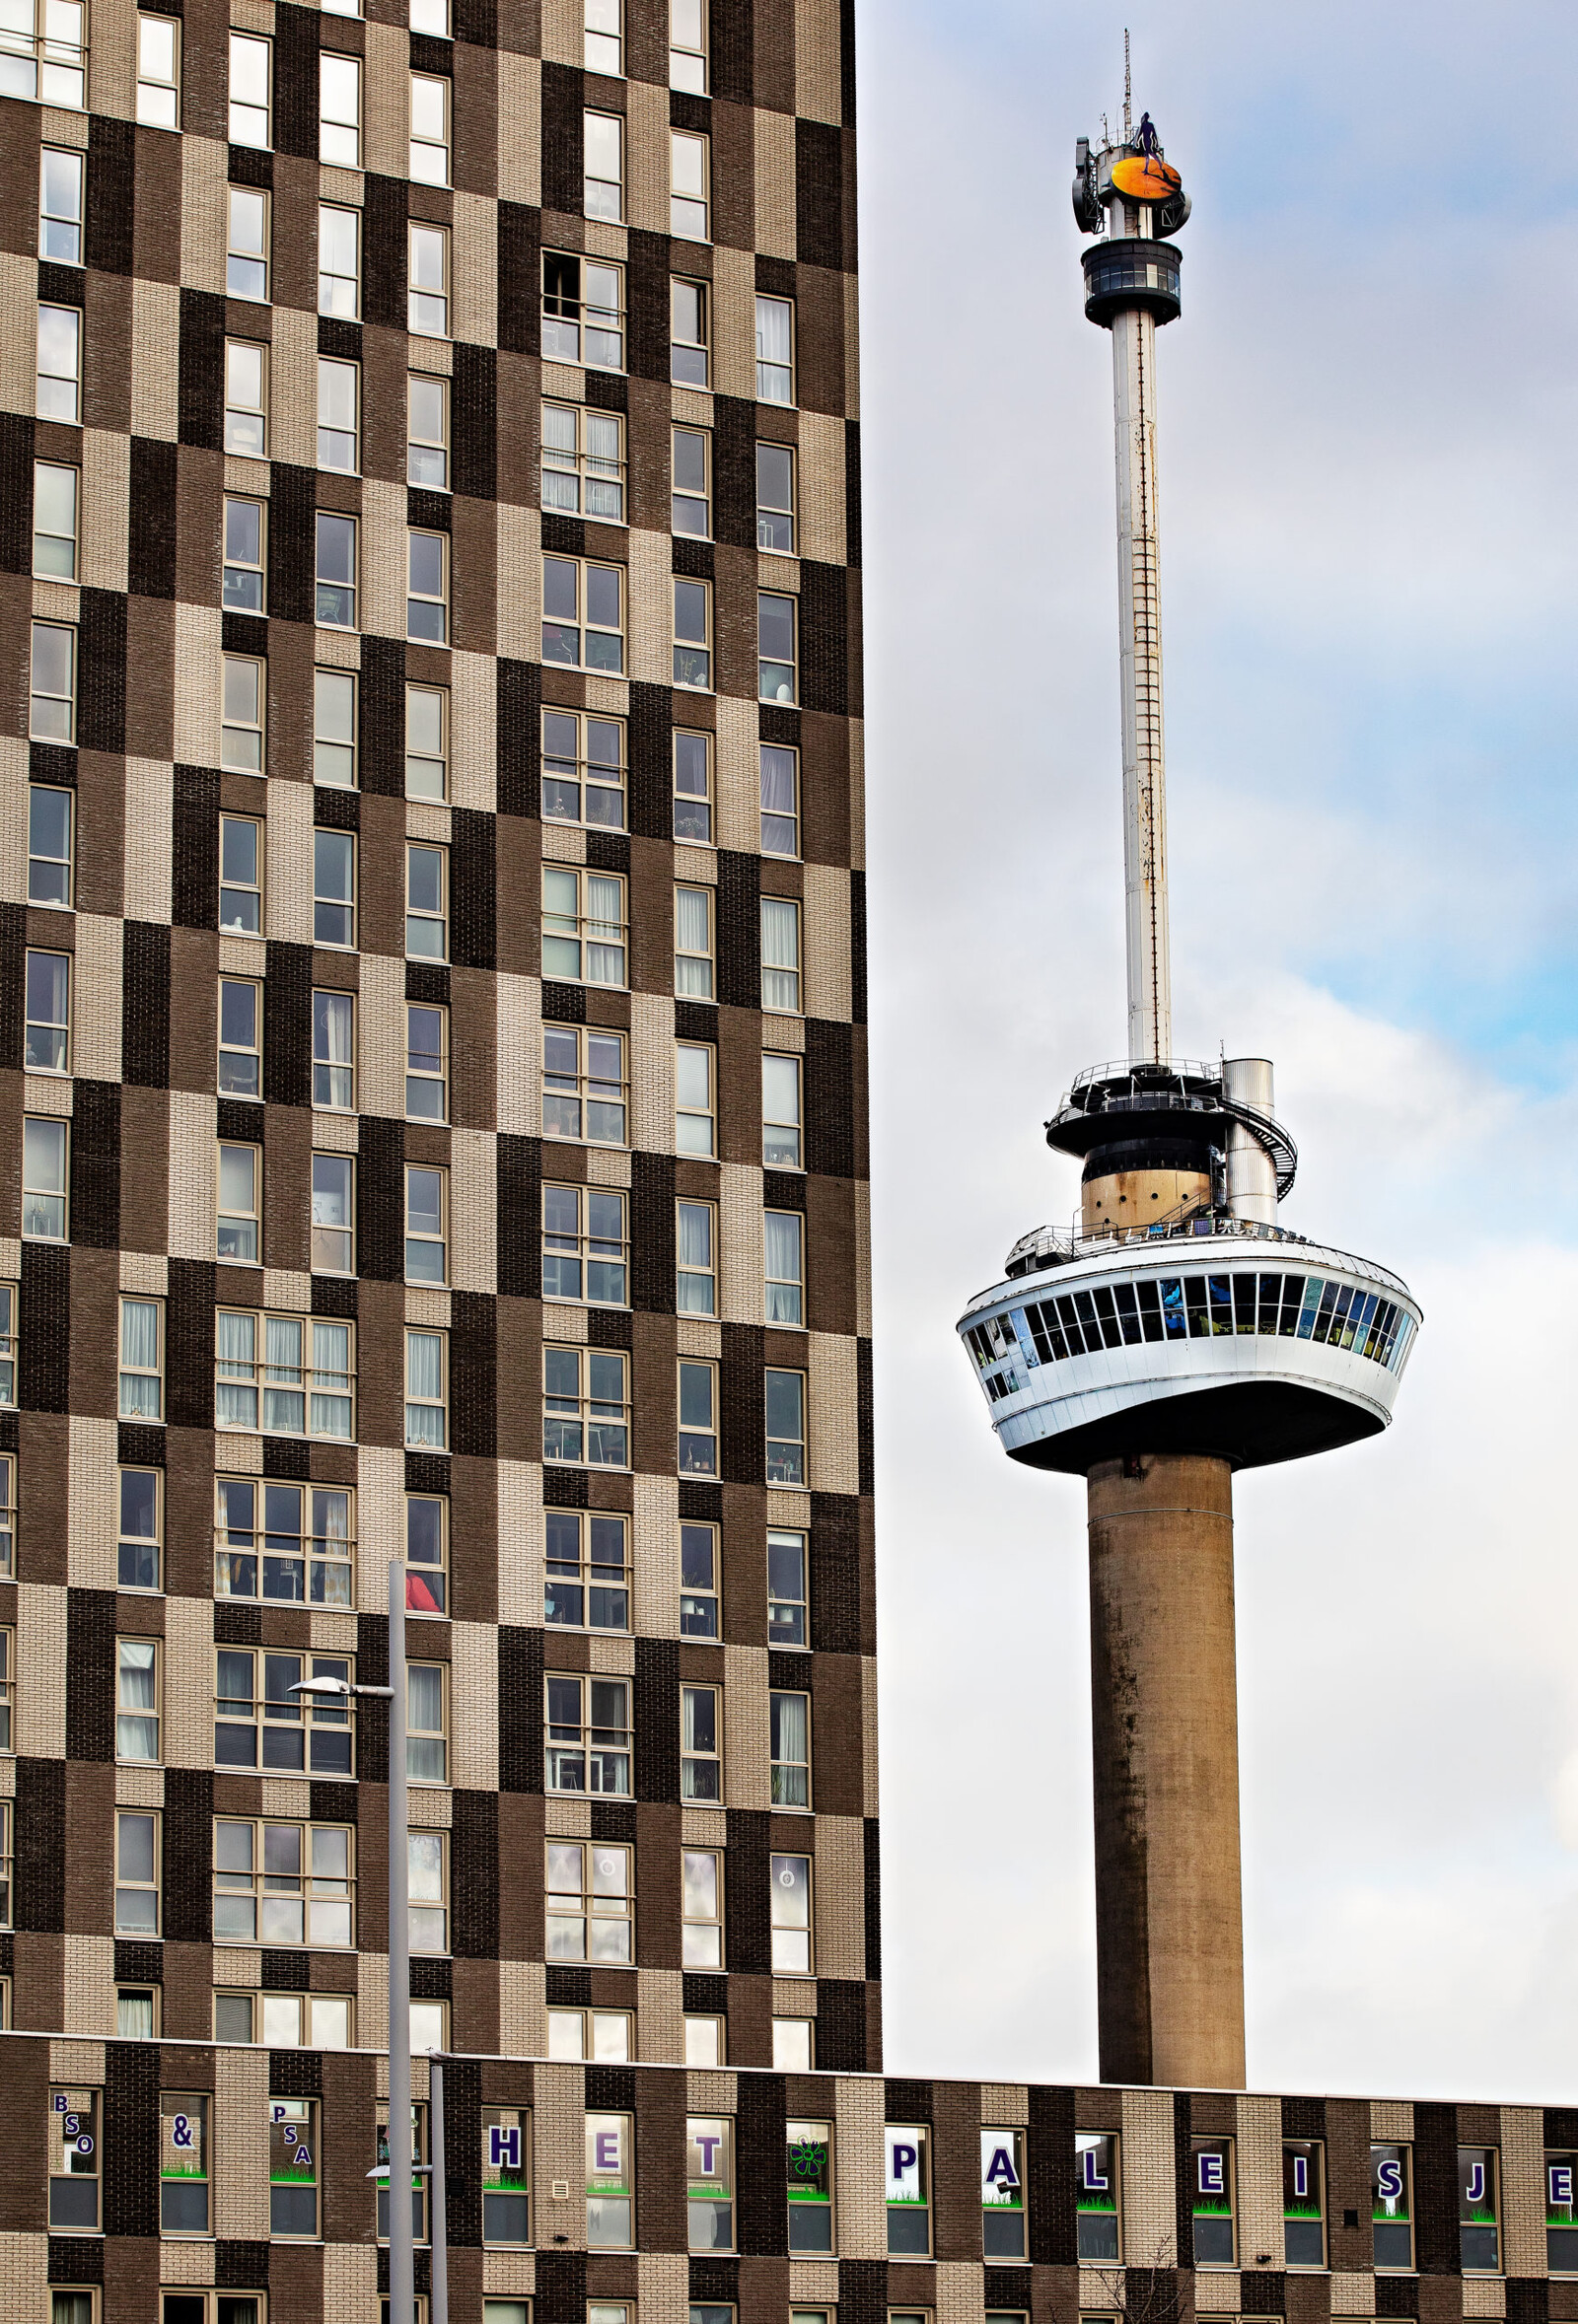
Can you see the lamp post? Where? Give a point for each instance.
(401, 2261)
(438, 2225)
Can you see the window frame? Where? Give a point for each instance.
(698, 1550)
(565, 1739)
(245, 427)
(326, 1063)
(241, 122)
(264, 1376)
(427, 611)
(1295, 2150)
(812, 2202)
(698, 963)
(322, 1250)
(785, 691)
(911, 2140)
(425, 304)
(580, 1580)
(337, 602)
(689, 357)
(1224, 2150)
(709, 1949)
(64, 248)
(288, 2223)
(337, 754)
(422, 915)
(586, 1082)
(795, 1541)
(244, 714)
(696, 813)
(139, 1482)
(315, 1555)
(773, 819)
(65, 866)
(776, 1157)
(580, 1246)
(688, 1273)
(692, 647)
(339, 134)
(421, 147)
(421, 1241)
(590, 473)
(784, 1296)
(334, 372)
(51, 400)
(131, 1883)
(602, 196)
(427, 1591)
(577, 1871)
(34, 1140)
(238, 571)
(131, 1715)
(607, 58)
(239, 888)
(689, 209)
(420, 447)
(590, 932)
(783, 1466)
(569, 757)
(54, 1030)
(1098, 2225)
(691, 1110)
(57, 725)
(780, 1765)
(70, 2107)
(768, 509)
(233, 1047)
(506, 2151)
(580, 622)
(422, 756)
(422, 1076)
(431, 1413)
(1004, 2218)
(584, 1417)
(237, 257)
(66, 570)
(326, 278)
(701, 1734)
(10, 1301)
(163, 88)
(691, 77)
(243, 1225)
(569, 336)
(322, 1726)
(697, 1427)
(783, 990)
(769, 370)
(710, 2219)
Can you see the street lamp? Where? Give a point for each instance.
(402, 2259)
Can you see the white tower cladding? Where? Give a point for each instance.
(1176, 1332)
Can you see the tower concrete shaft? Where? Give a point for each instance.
(1150, 986)
(1164, 1710)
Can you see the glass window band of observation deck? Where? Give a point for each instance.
(1086, 1320)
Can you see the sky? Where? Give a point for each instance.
(1368, 562)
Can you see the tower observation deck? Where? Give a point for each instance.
(1176, 1331)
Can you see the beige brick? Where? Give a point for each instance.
(474, 728)
(861, 2215)
(868, 1733)
(734, 323)
(663, 2286)
(386, 101)
(655, 1557)
(521, 1566)
(204, 213)
(198, 651)
(559, 2138)
(106, 506)
(651, 614)
(1258, 2164)
(741, 1284)
(839, 1891)
(520, 1055)
(112, 63)
(520, 583)
(833, 1450)
(93, 1515)
(189, 1682)
(1523, 2191)
(293, 388)
(148, 874)
(737, 775)
(745, 1769)
(824, 940)
(1352, 2295)
(476, 269)
(474, 1706)
(241, 2152)
(659, 2016)
(821, 479)
(523, 2020)
(193, 1123)
(652, 1073)
(1005, 2105)
(91, 1986)
(18, 332)
(155, 358)
(382, 559)
(381, 1523)
(12, 820)
(509, 2275)
(960, 2293)
(1483, 2296)
(96, 999)
(351, 2282)
(519, 129)
(1392, 2119)
(186, 2263)
(40, 1719)
(646, 160)
(24, 2274)
(474, 1201)
(775, 185)
(818, 60)
(1149, 2207)
(381, 1012)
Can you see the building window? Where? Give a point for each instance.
(693, 634)
(1002, 2194)
(240, 1037)
(247, 244)
(794, 2052)
(1211, 2201)
(583, 311)
(710, 2177)
(339, 109)
(293, 2167)
(582, 769)
(8, 1376)
(687, 47)
(426, 1224)
(58, 389)
(283, 1883)
(303, 1366)
(809, 2172)
(689, 185)
(585, 1245)
(7, 1888)
(583, 614)
(610, 2182)
(136, 1874)
(429, 16)
(780, 1111)
(426, 1063)
(588, 1735)
(694, 1129)
(139, 1547)
(258, 1723)
(340, 264)
(246, 398)
(339, 415)
(590, 1902)
(426, 742)
(249, 81)
(54, 521)
(691, 502)
(1392, 2207)
(781, 801)
(430, 130)
(505, 2175)
(49, 849)
(692, 942)
(426, 1553)
(789, 1721)
(427, 430)
(45, 1145)
(700, 1744)
(698, 1581)
(586, 1407)
(908, 2191)
(775, 498)
(427, 598)
(239, 1226)
(784, 1249)
(1304, 2203)
(603, 2035)
(240, 876)
(137, 1700)
(426, 901)
(60, 200)
(427, 1755)
(698, 1419)
(788, 1565)
(689, 333)
(333, 1051)
(335, 570)
(285, 2020)
(584, 1088)
(427, 297)
(775, 350)
(777, 647)
(244, 701)
(334, 1220)
(74, 2160)
(427, 1426)
(583, 926)
(182, 2165)
(8, 1660)
(692, 787)
(704, 2046)
(52, 700)
(695, 1274)
(602, 52)
(137, 2012)
(159, 72)
(604, 144)
(583, 459)
(286, 1544)
(1097, 2189)
(1479, 2210)
(241, 586)
(588, 1570)
(46, 1040)
(427, 1877)
(335, 729)
(702, 1908)
(786, 1428)
(780, 955)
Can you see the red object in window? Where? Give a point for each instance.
(422, 1595)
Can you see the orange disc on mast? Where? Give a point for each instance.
(1142, 178)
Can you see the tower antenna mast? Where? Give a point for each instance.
(1128, 93)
